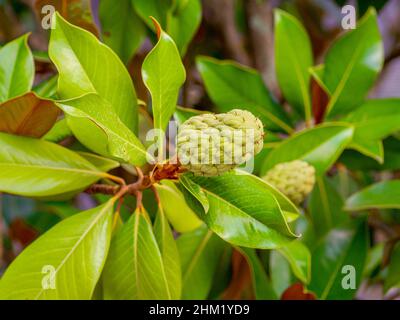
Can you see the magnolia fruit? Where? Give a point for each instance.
(211, 144)
(295, 179)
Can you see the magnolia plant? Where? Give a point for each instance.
(277, 187)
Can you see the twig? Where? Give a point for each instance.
(156, 195)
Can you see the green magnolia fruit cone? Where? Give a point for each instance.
(211, 144)
(295, 179)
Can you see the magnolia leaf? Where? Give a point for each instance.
(183, 22)
(325, 207)
(47, 89)
(393, 277)
(125, 34)
(319, 146)
(163, 74)
(196, 191)
(182, 218)
(352, 65)
(85, 65)
(169, 253)
(280, 272)
(97, 126)
(262, 284)
(382, 195)
(135, 266)
(101, 163)
(299, 258)
(58, 132)
(16, 68)
(200, 252)
(28, 115)
(64, 263)
(342, 252)
(34, 168)
(373, 121)
(232, 86)
(293, 58)
(243, 218)
(153, 8)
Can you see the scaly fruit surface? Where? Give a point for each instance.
(295, 179)
(211, 144)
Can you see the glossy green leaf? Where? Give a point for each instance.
(153, 8)
(325, 207)
(370, 148)
(317, 72)
(28, 115)
(288, 208)
(356, 161)
(231, 86)
(293, 58)
(341, 253)
(169, 253)
(181, 216)
(69, 257)
(97, 126)
(243, 211)
(58, 132)
(163, 74)
(85, 65)
(47, 88)
(262, 284)
(223, 275)
(352, 65)
(374, 259)
(124, 34)
(393, 277)
(374, 120)
(101, 163)
(280, 272)
(32, 167)
(381, 195)
(16, 68)
(299, 258)
(319, 146)
(135, 266)
(196, 191)
(183, 22)
(200, 251)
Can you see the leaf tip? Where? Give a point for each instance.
(156, 26)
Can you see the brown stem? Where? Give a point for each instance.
(139, 200)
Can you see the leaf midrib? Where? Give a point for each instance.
(197, 254)
(81, 238)
(246, 214)
(94, 173)
(345, 77)
(303, 87)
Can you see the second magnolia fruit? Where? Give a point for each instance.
(295, 179)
